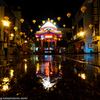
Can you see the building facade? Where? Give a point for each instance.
(14, 19)
(96, 25)
(82, 34)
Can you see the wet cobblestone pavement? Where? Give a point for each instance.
(49, 77)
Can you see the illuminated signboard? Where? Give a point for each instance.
(48, 36)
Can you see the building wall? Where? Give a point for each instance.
(67, 33)
(1, 28)
(87, 20)
(96, 25)
(17, 38)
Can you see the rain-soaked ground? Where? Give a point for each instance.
(50, 77)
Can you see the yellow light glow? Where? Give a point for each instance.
(37, 67)
(78, 34)
(51, 20)
(79, 74)
(12, 35)
(59, 66)
(54, 23)
(48, 19)
(21, 33)
(11, 73)
(5, 87)
(25, 60)
(60, 35)
(25, 68)
(81, 33)
(5, 23)
(25, 41)
(37, 39)
(83, 76)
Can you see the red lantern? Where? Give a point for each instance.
(90, 26)
(22, 20)
(83, 9)
(31, 30)
(68, 15)
(59, 18)
(64, 25)
(73, 27)
(34, 21)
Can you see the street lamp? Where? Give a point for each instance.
(81, 33)
(7, 24)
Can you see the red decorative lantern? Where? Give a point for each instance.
(34, 21)
(68, 15)
(64, 25)
(90, 26)
(73, 27)
(31, 30)
(83, 9)
(22, 20)
(59, 18)
(15, 28)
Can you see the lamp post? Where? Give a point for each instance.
(7, 24)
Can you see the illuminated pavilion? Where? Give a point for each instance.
(48, 33)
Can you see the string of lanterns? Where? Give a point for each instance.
(51, 20)
(83, 8)
(58, 18)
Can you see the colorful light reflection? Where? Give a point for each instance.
(49, 69)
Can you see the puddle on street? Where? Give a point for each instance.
(50, 77)
(49, 70)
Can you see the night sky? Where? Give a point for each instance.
(40, 10)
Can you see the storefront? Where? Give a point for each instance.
(96, 43)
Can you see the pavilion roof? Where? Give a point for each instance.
(48, 32)
(48, 24)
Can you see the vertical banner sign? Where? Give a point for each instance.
(77, 46)
(25, 47)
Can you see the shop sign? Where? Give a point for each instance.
(5, 45)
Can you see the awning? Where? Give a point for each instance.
(94, 41)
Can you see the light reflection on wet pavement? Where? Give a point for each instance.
(59, 77)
